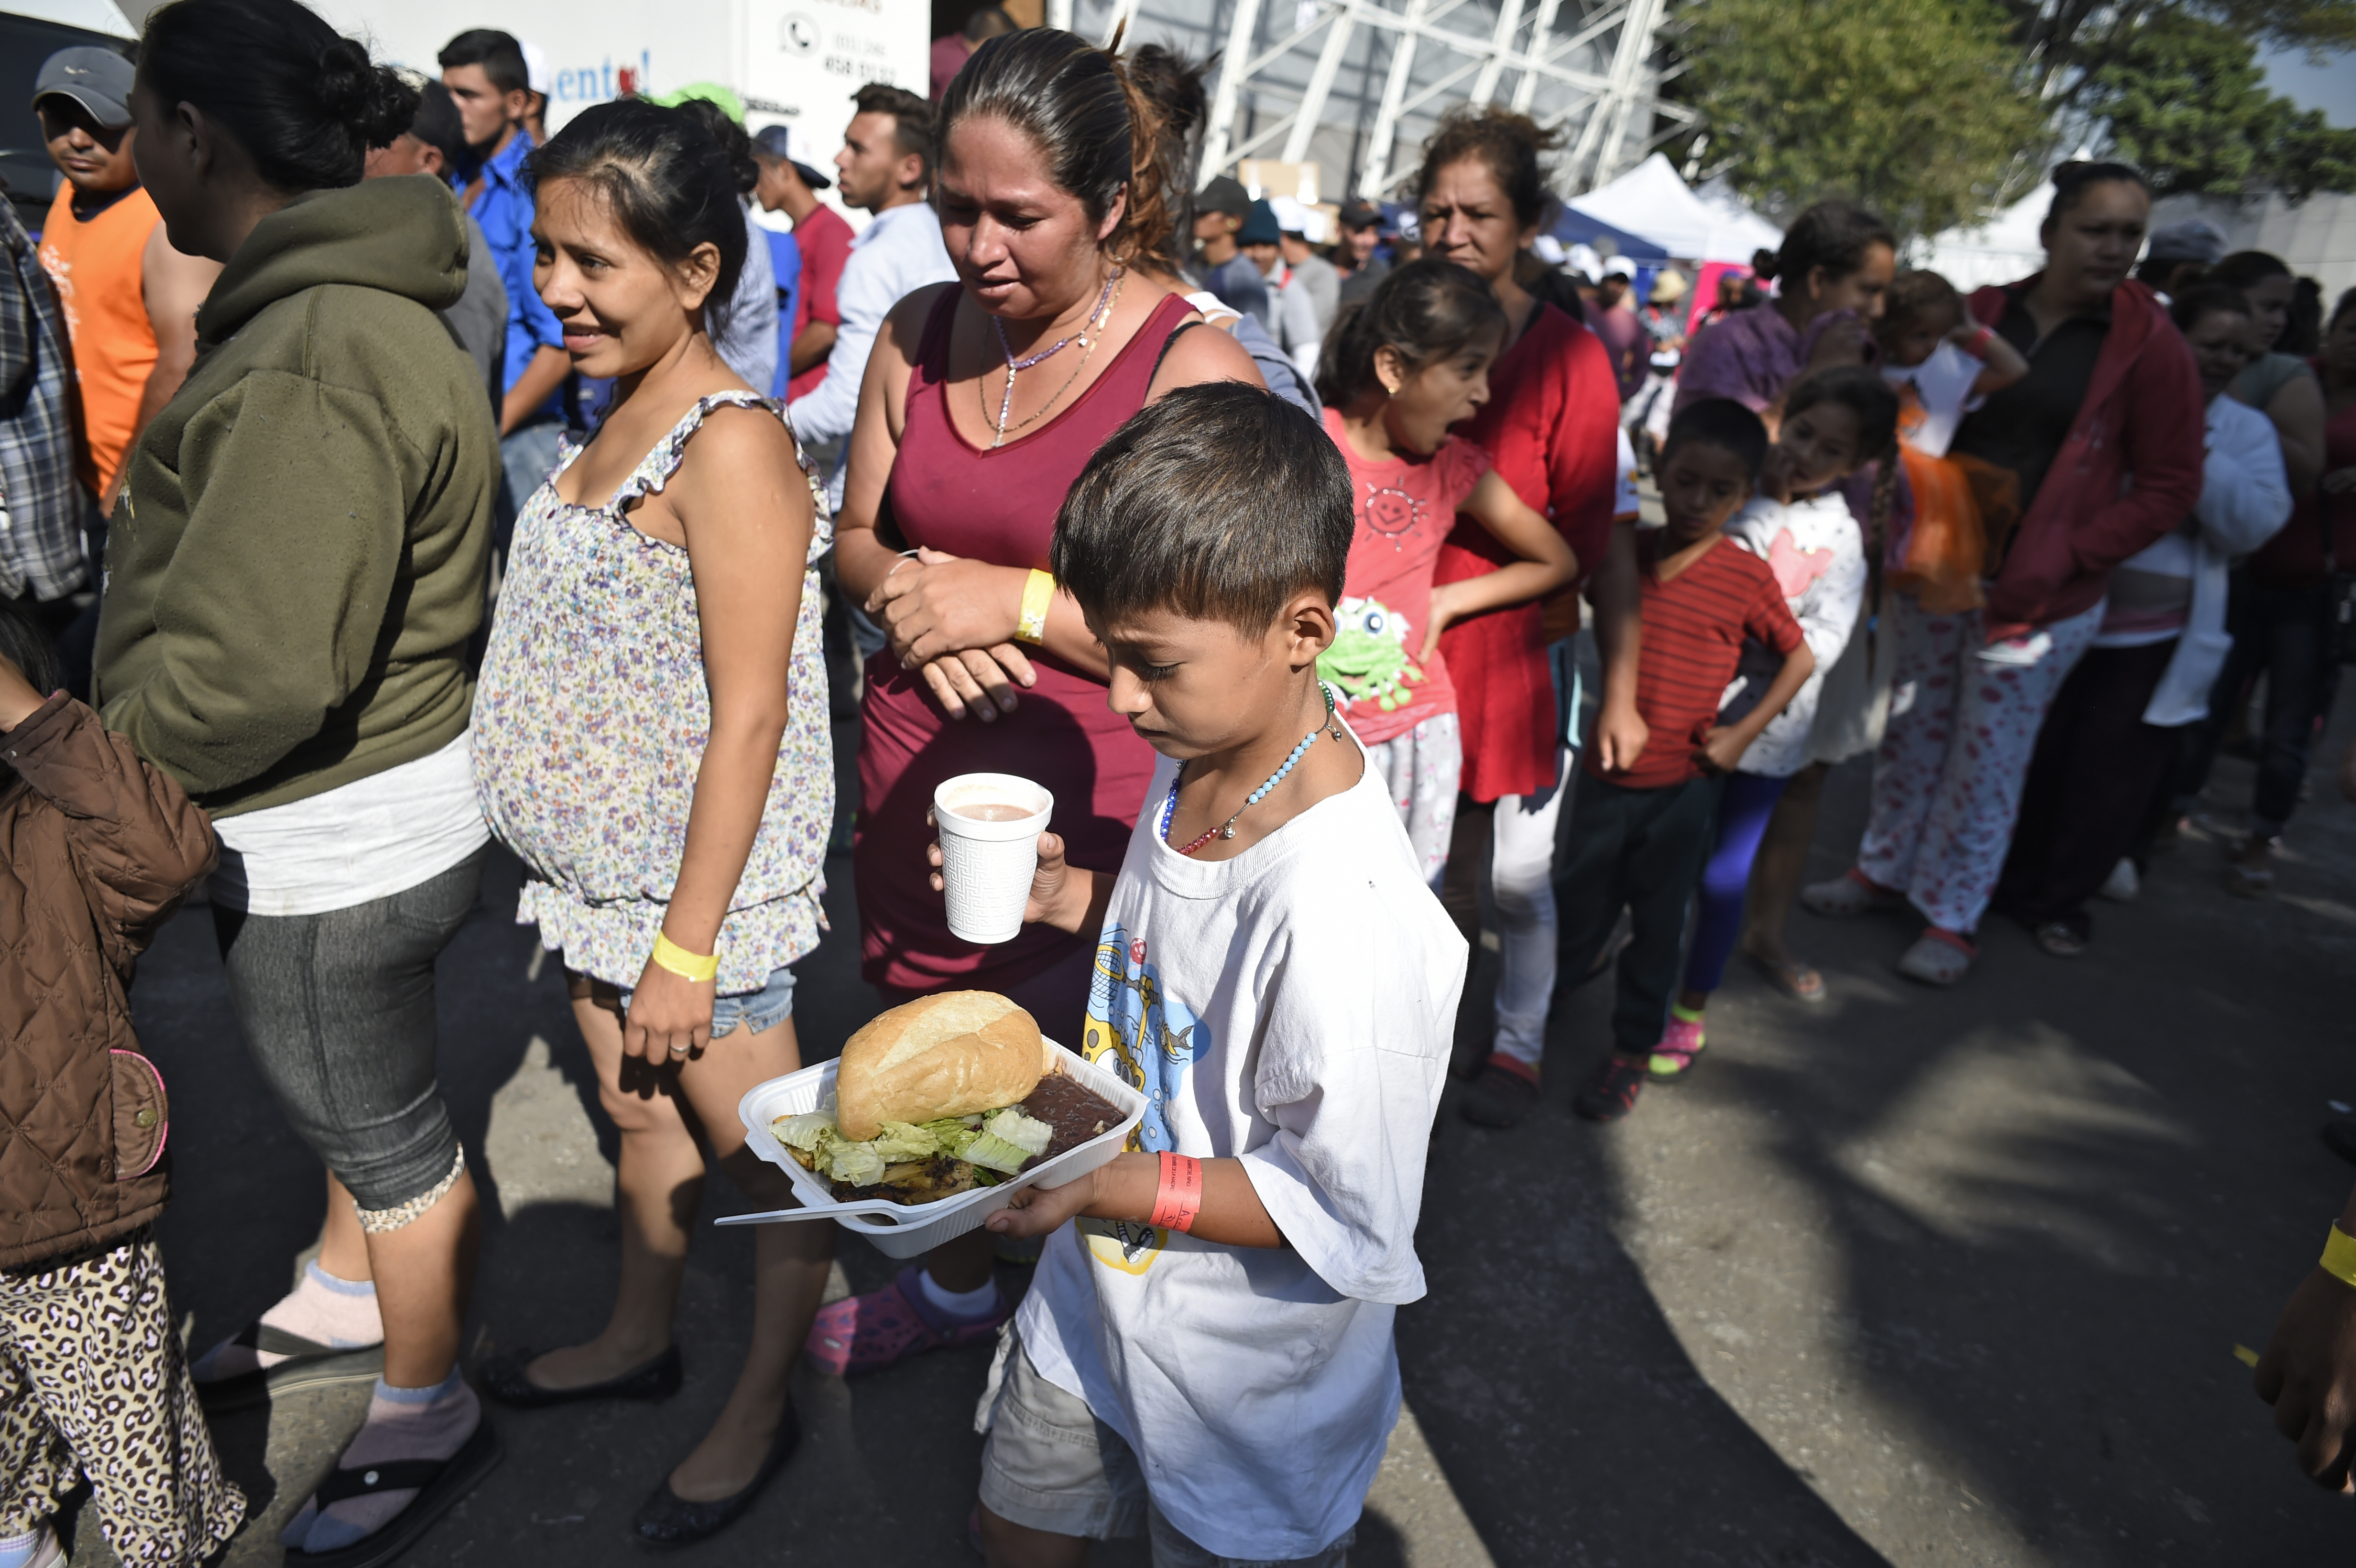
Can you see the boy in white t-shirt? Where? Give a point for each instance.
(1205, 1354)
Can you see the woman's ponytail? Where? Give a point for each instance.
(1151, 222)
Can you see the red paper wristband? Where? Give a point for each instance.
(1180, 1197)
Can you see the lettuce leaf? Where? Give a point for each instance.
(900, 1141)
(803, 1131)
(857, 1164)
(1026, 1133)
(994, 1152)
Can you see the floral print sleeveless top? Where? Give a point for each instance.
(590, 723)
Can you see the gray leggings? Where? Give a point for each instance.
(339, 1011)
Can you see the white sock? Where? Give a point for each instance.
(322, 1309)
(966, 1305)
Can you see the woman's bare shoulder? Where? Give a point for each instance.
(739, 446)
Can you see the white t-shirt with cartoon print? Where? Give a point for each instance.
(1293, 1008)
(1817, 553)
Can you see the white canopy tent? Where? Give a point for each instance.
(2001, 251)
(1652, 201)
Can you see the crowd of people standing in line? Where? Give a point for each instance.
(1122, 486)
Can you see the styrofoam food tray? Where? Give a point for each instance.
(904, 1230)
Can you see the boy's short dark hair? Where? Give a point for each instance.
(497, 53)
(1218, 502)
(912, 118)
(1719, 421)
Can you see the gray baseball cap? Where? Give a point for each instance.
(779, 142)
(99, 80)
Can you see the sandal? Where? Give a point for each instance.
(861, 1334)
(440, 1485)
(1789, 975)
(308, 1364)
(1681, 1046)
(1852, 893)
(1938, 958)
(2060, 938)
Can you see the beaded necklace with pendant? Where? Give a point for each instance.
(1091, 330)
(1227, 829)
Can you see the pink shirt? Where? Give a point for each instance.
(1405, 508)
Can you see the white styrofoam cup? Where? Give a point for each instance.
(986, 866)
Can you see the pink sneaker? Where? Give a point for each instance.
(867, 1333)
(1681, 1045)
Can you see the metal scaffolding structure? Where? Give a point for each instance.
(1368, 75)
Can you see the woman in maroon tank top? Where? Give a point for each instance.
(982, 403)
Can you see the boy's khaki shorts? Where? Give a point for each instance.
(1051, 1465)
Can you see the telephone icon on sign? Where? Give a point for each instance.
(798, 33)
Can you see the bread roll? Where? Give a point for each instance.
(949, 1055)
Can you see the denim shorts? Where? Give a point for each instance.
(761, 1010)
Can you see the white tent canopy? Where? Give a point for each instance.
(2001, 251)
(1650, 200)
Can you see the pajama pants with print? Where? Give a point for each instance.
(1948, 777)
(93, 1385)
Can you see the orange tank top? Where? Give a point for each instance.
(96, 268)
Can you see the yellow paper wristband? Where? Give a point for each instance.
(1038, 593)
(2340, 1257)
(681, 962)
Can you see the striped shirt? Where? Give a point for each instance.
(1695, 625)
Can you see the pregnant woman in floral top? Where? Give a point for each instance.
(650, 738)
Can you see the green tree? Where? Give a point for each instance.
(1912, 107)
(2065, 45)
(2186, 104)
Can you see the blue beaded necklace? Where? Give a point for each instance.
(1227, 830)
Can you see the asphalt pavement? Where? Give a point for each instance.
(1910, 1276)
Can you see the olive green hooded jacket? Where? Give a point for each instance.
(296, 569)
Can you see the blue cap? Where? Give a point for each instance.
(1260, 226)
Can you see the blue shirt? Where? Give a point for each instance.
(504, 210)
(786, 266)
(1240, 285)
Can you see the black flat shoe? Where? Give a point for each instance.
(308, 1364)
(440, 1484)
(666, 1518)
(502, 1378)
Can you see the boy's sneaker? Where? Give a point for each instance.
(1503, 1096)
(1681, 1046)
(1611, 1091)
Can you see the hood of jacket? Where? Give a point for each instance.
(405, 236)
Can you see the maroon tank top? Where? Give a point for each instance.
(997, 506)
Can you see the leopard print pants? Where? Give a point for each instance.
(93, 1383)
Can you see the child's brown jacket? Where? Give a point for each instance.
(96, 848)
